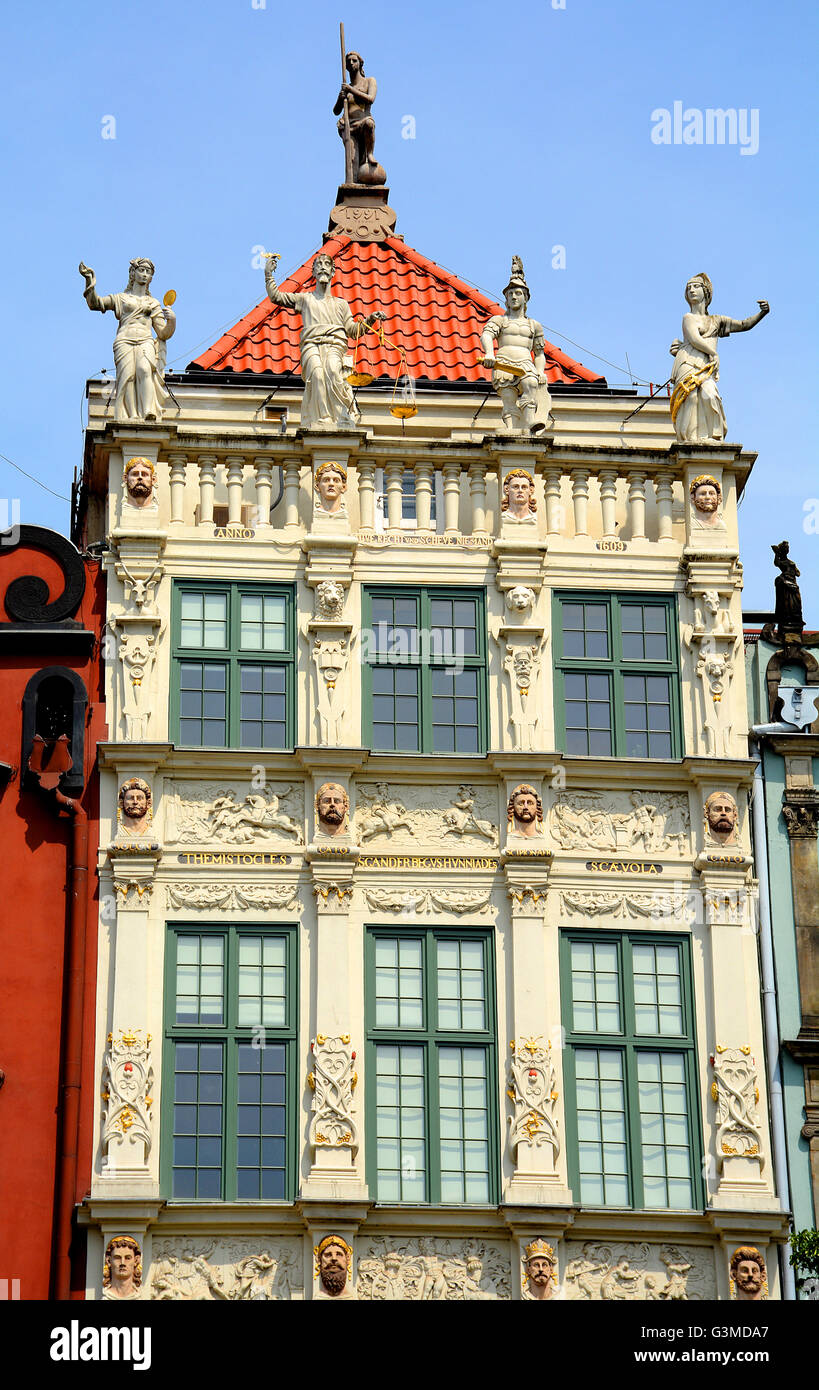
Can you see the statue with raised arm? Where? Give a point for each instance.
(696, 405)
(519, 365)
(356, 126)
(139, 356)
(326, 326)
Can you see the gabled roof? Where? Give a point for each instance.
(434, 316)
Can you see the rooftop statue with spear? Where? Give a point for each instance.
(356, 126)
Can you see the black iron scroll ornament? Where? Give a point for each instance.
(26, 599)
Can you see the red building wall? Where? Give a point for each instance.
(35, 839)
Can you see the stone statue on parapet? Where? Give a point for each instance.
(356, 125)
(696, 405)
(138, 355)
(327, 325)
(519, 364)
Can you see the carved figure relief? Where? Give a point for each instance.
(229, 1270)
(334, 1263)
(428, 816)
(721, 819)
(735, 1092)
(122, 1269)
(232, 895)
(621, 821)
(127, 1082)
(139, 484)
(204, 813)
(329, 600)
(140, 589)
(711, 619)
(524, 813)
(533, 1095)
(333, 1081)
(137, 653)
(622, 1272)
(539, 1277)
(749, 1277)
(332, 810)
(522, 666)
(330, 655)
(715, 670)
(138, 355)
(433, 1270)
(134, 808)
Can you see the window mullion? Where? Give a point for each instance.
(633, 1119)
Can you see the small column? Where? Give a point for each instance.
(366, 495)
(235, 480)
(177, 464)
(452, 497)
(663, 487)
(207, 487)
(554, 518)
(424, 482)
(637, 505)
(580, 500)
(608, 501)
(292, 469)
(264, 490)
(477, 489)
(394, 475)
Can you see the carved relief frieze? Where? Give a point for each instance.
(626, 905)
(735, 1092)
(432, 1269)
(427, 900)
(226, 896)
(426, 816)
(333, 1080)
(622, 1272)
(532, 1091)
(229, 1270)
(201, 813)
(621, 821)
(127, 1082)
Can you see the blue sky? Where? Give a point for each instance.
(533, 128)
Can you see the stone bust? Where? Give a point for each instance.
(520, 599)
(333, 1262)
(140, 483)
(122, 1270)
(706, 502)
(721, 818)
(134, 806)
(519, 502)
(748, 1274)
(330, 486)
(539, 1271)
(332, 809)
(524, 813)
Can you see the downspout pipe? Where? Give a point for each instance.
(771, 1023)
(71, 1072)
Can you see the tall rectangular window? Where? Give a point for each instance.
(425, 671)
(233, 666)
(617, 675)
(630, 1069)
(230, 1027)
(432, 1119)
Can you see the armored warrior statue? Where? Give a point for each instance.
(519, 366)
(327, 324)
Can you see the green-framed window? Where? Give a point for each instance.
(425, 670)
(229, 1083)
(233, 665)
(431, 1066)
(617, 682)
(632, 1117)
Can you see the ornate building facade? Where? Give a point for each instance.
(424, 811)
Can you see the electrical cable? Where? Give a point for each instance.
(44, 486)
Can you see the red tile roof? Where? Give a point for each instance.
(436, 318)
